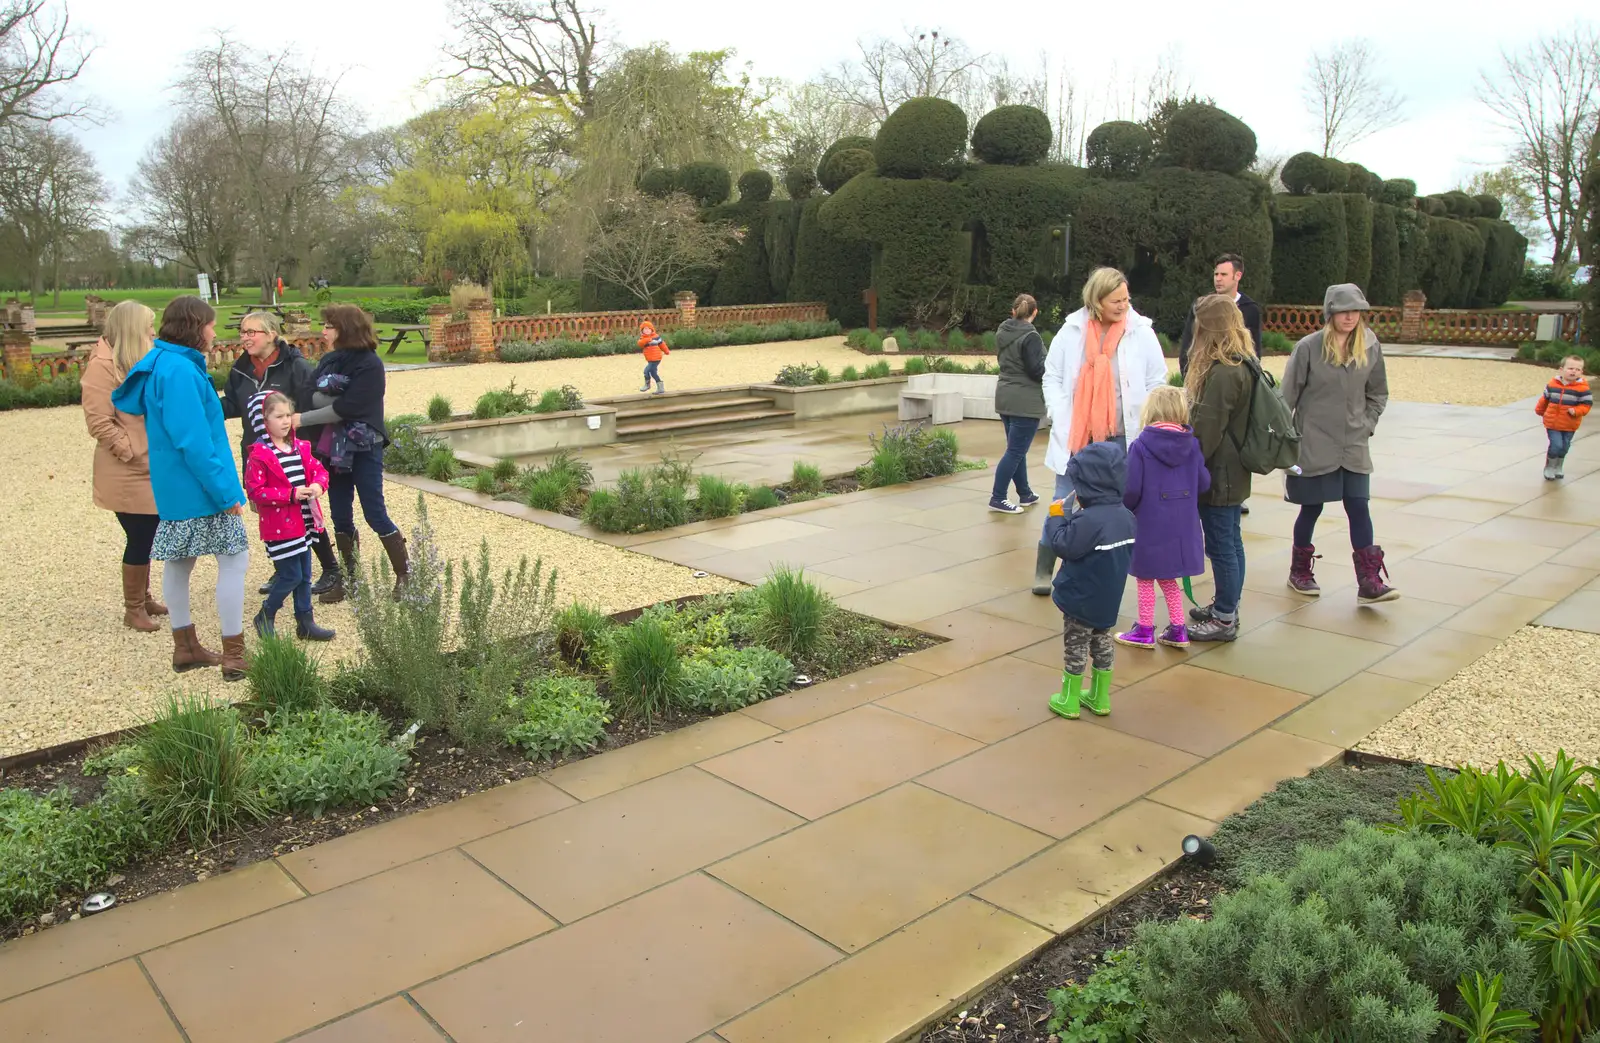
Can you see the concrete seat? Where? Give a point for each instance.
(944, 407)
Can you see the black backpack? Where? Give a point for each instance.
(1271, 442)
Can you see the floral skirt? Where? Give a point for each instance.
(199, 537)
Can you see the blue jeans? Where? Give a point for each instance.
(293, 577)
(366, 478)
(1064, 484)
(1560, 442)
(1013, 465)
(1225, 548)
(652, 372)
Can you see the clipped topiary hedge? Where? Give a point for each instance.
(1014, 135)
(1119, 149)
(848, 142)
(829, 267)
(1383, 287)
(1399, 191)
(779, 234)
(1358, 238)
(1489, 206)
(755, 186)
(913, 225)
(1305, 173)
(659, 182)
(706, 183)
(1505, 250)
(1203, 137)
(1310, 247)
(925, 137)
(1454, 260)
(1010, 208)
(846, 164)
(799, 181)
(743, 277)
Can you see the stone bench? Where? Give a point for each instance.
(944, 407)
(976, 391)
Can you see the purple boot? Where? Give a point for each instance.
(1175, 636)
(1141, 636)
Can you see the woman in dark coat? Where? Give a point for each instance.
(346, 426)
(1019, 399)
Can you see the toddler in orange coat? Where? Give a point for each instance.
(1564, 404)
(654, 350)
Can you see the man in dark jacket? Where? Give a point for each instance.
(1226, 275)
(1092, 533)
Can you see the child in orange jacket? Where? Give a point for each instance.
(654, 349)
(1564, 404)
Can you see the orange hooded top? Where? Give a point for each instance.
(654, 347)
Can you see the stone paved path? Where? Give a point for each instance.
(847, 861)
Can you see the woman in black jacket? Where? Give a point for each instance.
(270, 363)
(1019, 399)
(348, 399)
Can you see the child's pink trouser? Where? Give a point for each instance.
(1147, 601)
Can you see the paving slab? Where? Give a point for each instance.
(1576, 611)
(392, 1021)
(598, 776)
(87, 1007)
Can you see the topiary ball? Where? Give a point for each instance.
(1304, 173)
(1459, 204)
(755, 186)
(660, 182)
(706, 183)
(1433, 206)
(1016, 135)
(1361, 179)
(844, 165)
(800, 181)
(1337, 177)
(924, 137)
(1203, 137)
(1398, 191)
(1118, 149)
(1489, 206)
(848, 142)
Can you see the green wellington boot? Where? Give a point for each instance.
(1098, 698)
(1065, 702)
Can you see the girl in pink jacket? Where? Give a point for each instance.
(285, 483)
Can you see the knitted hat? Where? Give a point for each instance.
(1345, 296)
(1217, 313)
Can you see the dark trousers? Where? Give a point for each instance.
(1081, 642)
(1357, 508)
(1013, 465)
(652, 372)
(293, 576)
(1225, 548)
(365, 478)
(1560, 442)
(140, 530)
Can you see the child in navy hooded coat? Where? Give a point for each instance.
(1092, 533)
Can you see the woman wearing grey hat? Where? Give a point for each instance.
(1336, 386)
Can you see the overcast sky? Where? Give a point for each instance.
(1252, 63)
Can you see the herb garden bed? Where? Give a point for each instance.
(470, 680)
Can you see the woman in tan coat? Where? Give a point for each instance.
(122, 457)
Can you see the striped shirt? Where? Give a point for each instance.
(294, 470)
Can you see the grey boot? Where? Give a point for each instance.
(1561, 467)
(1550, 471)
(1044, 568)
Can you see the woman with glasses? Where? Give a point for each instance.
(270, 363)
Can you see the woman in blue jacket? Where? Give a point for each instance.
(198, 495)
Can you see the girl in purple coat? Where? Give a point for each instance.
(1166, 475)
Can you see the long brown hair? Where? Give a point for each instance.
(352, 327)
(185, 321)
(1228, 346)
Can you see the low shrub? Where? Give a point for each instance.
(877, 371)
(1175, 379)
(439, 409)
(50, 845)
(501, 402)
(909, 453)
(483, 483)
(558, 484)
(198, 771)
(283, 677)
(806, 478)
(718, 498)
(313, 760)
(63, 390)
(849, 373)
(1107, 1008)
(582, 632)
(791, 613)
(1275, 343)
(519, 351)
(762, 498)
(796, 376)
(720, 680)
(558, 715)
(915, 366)
(505, 469)
(563, 399)
(645, 668)
(820, 375)
(408, 451)
(646, 499)
(442, 464)
(678, 340)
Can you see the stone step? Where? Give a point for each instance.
(666, 406)
(641, 427)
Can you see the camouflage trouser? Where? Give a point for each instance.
(1080, 642)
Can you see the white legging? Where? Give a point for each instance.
(231, 570)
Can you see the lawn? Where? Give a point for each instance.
(72, 304)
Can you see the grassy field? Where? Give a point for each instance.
(72, 305)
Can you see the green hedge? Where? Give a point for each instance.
(743, 277)
(852, 141)
(924, 137)
(1383, 288)
(1203, 137)
(1505, 250)
(1591, 315)
(912, 225)
(1411, 230)
(1014, 135)
(31, 393)
(830, 268)
(1454, 262)
(1310, 247)
(1021, 213)
(1358, 237)
(779, 234)
(1119, 149)
(677, 340)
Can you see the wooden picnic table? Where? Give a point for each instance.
(74, 345)
(402, 332)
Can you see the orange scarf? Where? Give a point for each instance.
(1094, 401)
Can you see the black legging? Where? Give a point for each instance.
(141, 532)
(1355, 508)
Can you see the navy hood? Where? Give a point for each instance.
(1099, 473)
(1172, 448)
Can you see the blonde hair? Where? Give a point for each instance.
(1165, 405)
(1574, 358)
(1102, 283)
(1338, 349)
(1229, 347)
(128, 331)
(274, 399)
(269, 322)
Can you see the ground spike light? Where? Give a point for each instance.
(1199, 850)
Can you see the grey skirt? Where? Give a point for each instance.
(1327, 488)
(199, 537)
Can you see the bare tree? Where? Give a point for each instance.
(645, 244)
(190, 193)
(290, 143)
(39, 53)
(548, 48)
(806, 119)
(1345, 92)
(50, 194)
(1547, 97)
(925, 64)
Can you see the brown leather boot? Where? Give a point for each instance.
(152, 607)
(187, 651)
(344, 584)
(134, 580)
(399, 559)
(233, 660)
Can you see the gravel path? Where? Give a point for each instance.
(1531, 694)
